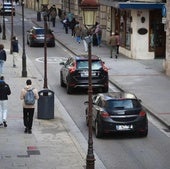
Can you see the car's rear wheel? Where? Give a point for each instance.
(61, 81)
(105, 89)
(69, 89)
(53, 44)
(87, 119)
(30, 44)
(98, 130)
(144, 133)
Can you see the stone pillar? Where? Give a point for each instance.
(167, 60)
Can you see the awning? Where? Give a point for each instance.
(139, 5)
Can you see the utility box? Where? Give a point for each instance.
(45, 104)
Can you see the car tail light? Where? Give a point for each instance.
(33, 36)
(104, 67)
(73, 68)
(142, 113)
(105, 114)
(50, 36)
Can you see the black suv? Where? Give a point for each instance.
(74, 73)
(118, 112)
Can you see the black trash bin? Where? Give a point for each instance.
(45, 104)
(38, 16)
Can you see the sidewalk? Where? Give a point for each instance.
(145, 78)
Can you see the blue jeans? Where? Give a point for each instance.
(78, 39)
(1, 66)
(99, 38)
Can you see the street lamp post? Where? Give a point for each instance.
(89, 9)
(12, 30)
(24, 70)
(3, 26)
(45, 51)
(38, 12)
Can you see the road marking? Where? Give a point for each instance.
(49, 60)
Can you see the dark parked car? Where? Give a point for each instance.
(6, 9)
(35, 36)
(118, 112)
(74, 73)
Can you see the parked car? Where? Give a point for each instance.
(35, 37)
(6, 9)
(117, 112)
(74, 73)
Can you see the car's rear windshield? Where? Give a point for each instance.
(83, 64)
(41, 31)
(123, 104)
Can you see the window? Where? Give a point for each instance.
(96, 65)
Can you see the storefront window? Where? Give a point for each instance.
(125, 29)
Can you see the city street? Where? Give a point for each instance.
(115, 151)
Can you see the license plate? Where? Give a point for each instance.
(124, 127)
(40, 37)
(86, 74)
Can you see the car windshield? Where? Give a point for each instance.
(83, 64)
(39, 31)
(122, 104)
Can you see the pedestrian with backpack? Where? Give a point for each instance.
(28, 95)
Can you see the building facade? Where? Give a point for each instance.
(140, 24)
(143, 25)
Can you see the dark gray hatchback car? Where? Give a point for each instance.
(74, 73)
(35, 37)
(118, 112)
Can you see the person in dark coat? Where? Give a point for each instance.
(72, 26)
(3, 58)
(15, 50)
(4, 92)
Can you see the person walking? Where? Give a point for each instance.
(98, 32)
(3, 58)
(78, 33)
(117, 43)
(28, 110)
(72, 26)
(15, 50)
(53, 14)
(112, 43)
(84, 37)
(4, 92)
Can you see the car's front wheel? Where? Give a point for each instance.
(98, 130)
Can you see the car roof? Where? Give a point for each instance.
(37, 27)
(85, 57)
(117, 95)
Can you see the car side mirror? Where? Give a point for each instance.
(86, 102)
(62, 63)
